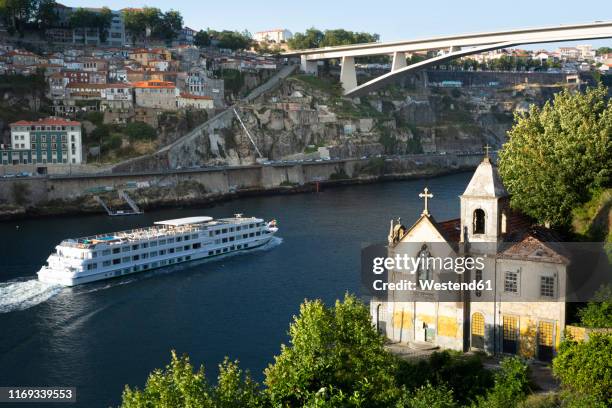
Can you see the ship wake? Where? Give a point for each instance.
(24, 294)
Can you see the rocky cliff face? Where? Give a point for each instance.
(306, 118)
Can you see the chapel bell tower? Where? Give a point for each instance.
(483, 205)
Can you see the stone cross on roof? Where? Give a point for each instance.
(486, 149)
(425, 194)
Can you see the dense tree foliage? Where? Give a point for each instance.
(152, 22)
(92, 20)
(314, 38)
(232, 40)
(336, 359)
(598, 312)
(465, 376)
(428, 396)
(603, 50)
(511, 385)
(558, 154)
(335, 354)
(140, 131)
(503, 63)
(201, 39)
(20, 15)
(585, 368)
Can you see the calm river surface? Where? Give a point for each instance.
(101, 336)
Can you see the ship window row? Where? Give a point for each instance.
(153, 265)
(232, 229)
(163, 262)
(231, 239)
(227, 249)
(163, 252)
(144, 245)
(152, 254)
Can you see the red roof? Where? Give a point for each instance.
(52, 120)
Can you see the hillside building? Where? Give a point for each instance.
(46, 141)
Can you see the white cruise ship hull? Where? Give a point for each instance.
(112, 256)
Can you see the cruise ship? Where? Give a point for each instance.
(170, 242)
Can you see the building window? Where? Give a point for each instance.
(478, 278)
(424, 272)
(547, 286)
(479, 221)
(511, 282)
(478, 330)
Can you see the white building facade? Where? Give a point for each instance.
(46, 141)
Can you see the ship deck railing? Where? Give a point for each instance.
(138, 234)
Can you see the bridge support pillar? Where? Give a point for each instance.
(348, 75)
(308, 67)
(399, 61)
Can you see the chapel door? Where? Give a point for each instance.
(545, 341)
(510, 335)
(478, 331)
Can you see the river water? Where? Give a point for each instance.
(101, 336)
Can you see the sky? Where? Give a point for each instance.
(392, 19)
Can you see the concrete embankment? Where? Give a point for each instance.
(53, 195)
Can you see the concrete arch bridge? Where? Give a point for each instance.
(452, 46)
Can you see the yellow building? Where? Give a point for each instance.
(520, 310)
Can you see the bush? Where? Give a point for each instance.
(511, 385)
(95, 117)
(465, 376)
(140, 131)
(98, 135)
(541, 401)
(598, 312)
(585, 368)
(429, 396)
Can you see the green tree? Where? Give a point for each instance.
(314, 38)
(169, 25)
(310, 39)
(232, 40)
(585, 368)
(429, 396)
(85, 19)
(604, 50)
(201, 39)
(598, 312)
(335, 354)
(511, 385)
(235, 388)
(140, 131)
(175, 386)
(558, 154)
(16, 14)
(45, 15)
(151, 22)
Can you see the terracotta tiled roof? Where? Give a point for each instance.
(52, 120)
(451, 229)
